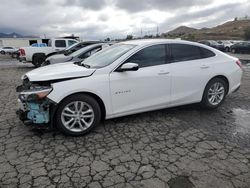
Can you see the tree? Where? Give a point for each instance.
(129, 37)
(247, 33)
(107, 39)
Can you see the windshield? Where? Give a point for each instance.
(72, 46)
(214, 42)
(108, 55)
(83, 50)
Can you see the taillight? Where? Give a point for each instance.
(22, 52)
(239, 63)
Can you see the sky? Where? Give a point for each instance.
(99, 19)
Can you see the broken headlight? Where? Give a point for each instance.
(35, 93)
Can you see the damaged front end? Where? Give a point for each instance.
(34, 106)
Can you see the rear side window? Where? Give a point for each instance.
(150, 56)
(186, 52)
(205, 53)
(60, 43)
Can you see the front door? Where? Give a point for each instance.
(145, 89)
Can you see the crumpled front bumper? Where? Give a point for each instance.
(32, 109)
(35, 112)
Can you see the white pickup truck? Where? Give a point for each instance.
(37, 55)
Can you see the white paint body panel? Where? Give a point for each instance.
(59, 71)
(149, 88)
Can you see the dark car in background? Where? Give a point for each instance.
(74, 48)
(241, 47)
(213, 44)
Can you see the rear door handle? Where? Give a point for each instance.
(163, 73)
(204, 67)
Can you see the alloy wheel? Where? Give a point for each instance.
(77, 116)
(216, 93)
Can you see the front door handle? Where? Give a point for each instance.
(204, 67)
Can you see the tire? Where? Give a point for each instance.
(3, 52)
(38, 59)
(220, 93)
(67, 113)
(227, 49)
(233, 51)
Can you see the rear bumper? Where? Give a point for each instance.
(21, 59)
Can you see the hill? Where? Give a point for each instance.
(10, 35)
(233, 30)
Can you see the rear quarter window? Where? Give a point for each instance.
(186, 52)
(205, 53)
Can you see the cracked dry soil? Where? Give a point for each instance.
(177, 148)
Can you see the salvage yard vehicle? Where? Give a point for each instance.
(242, 47)
(127, 78)
(227, 45)
(77, 56)
(37, 55)
(213, 44)
(7, 50)
(73, 48)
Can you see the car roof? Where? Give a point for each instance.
(145, 42)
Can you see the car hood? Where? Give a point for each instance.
(59, 71)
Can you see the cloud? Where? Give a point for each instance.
(86, 4)
(99, 19)
(142, 5)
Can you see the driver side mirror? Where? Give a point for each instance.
(128, 67)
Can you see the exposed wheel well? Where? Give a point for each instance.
(97, 98)
(223, 78)
(38, 54)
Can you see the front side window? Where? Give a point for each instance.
(184, 52)
(60, 43)
(150, 56)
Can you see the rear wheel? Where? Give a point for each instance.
(38, 59)
(2, 52)
(78, 114)
(215, 93)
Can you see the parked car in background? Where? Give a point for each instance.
(74, 48)
(7, 50)
(127, 78)
(37, 55)
(242, 47)
(77, 56)
(213, 44)
(227, 44)
(39, 45)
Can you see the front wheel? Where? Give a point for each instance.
(214, 93)
(78, 114)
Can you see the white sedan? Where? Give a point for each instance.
(6, 50)
(127, 78)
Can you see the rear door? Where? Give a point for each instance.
(190, 68)
(144, 89)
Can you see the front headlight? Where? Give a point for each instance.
(36, 93)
